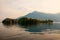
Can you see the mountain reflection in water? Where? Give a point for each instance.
(30, 32)
(35, 28)
(38, 28)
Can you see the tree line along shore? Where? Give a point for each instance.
(25, 21)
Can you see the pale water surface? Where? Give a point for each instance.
(32, 32)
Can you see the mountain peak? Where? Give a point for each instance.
(36, 12)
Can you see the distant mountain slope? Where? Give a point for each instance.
(43, 16)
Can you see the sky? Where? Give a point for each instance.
(16, 8)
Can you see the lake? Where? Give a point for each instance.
(31, 32)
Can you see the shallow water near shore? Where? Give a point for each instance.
(31, 32)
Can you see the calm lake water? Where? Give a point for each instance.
(44, 27)
(30, 32)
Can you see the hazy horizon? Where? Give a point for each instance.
(16, 8)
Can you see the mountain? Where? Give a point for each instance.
(39, 15)
(43, 16)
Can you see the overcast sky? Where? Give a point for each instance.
(16, 8)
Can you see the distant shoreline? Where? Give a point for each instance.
(56, 22)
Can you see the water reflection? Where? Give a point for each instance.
(34, 28)
(15, 34)
(38, 28)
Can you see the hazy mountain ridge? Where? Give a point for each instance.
(43, 16)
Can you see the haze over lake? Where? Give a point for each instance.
(33, 32)
(33, 9)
